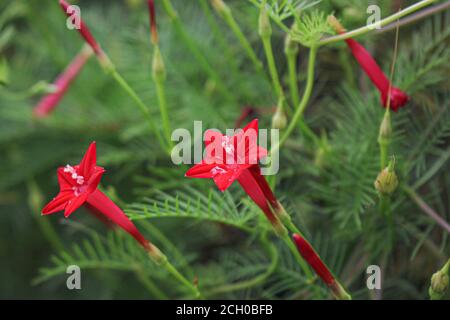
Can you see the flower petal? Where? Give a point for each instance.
(94, 179)
(201, 170)
(88, 162)
(65, 180)
(224, 179)
(58, 203)
(75, 203)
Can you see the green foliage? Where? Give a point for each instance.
(221, 239)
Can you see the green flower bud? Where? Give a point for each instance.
(265, 29)
(387, 180)
(439, 285)
(159, 70)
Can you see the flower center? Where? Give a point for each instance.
(79, 179)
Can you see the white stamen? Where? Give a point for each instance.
(217, 170)
(74, 175)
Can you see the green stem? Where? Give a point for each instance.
(144, 109)
(384, 146)
(167, 244)
(303, 102)
(194, 49)
(381, 23)
(292, 69)
(293, 88)
(160, 91)
(427, 209)
(218, 34)
(229, 19)
(272, 67)
(174, 272)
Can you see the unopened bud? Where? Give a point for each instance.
(290, 46)
(439, 283)
(279, 120)
(265, 29)
(387, 180)
(220, 7)
(159, 70)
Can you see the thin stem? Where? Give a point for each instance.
(427, 209)
(229, 19)
(198, 54)
(224, 47)
(293, 88)
(160, 91)
(292, 69)
(381, 23)
(160, 236)
(303, 102)
(272, 67)
(415, 17)
(144, 109)
(173, 271)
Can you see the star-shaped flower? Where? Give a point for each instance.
(76, 184)
(228, 156)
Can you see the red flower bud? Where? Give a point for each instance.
(152, 15)
(83, 30)
(49, 102)
(313, 259)
(397, 98)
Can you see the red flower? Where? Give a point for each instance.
(78, 186)
(83, 30)
(231, 158)
(62, 83)
(398, 98)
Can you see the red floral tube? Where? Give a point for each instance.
(312, 258)
(83, 30)
(397, 97)
(152, 15)
(49, 102)
(111, 211)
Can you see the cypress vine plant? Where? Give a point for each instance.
(364, 128)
